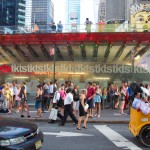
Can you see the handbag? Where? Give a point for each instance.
(38, 99)
(86, 107)
(53, 114)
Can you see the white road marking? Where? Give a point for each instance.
(116, 138)
(36, 111)
(117, 114)
(66, 134)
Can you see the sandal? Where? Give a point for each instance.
(37, 116)
(122, 113)
(84, 127)
(78, 128)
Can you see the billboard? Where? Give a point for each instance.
(140, 17)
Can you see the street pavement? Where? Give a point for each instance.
(107, 116)
(95, 137)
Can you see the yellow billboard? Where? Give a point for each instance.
(140, 17)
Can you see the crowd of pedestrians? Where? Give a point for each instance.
(69, 99)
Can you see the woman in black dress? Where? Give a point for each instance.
(82, 111)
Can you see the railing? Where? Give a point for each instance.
(125, 27)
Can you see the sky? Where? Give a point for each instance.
(87, 10)
(59, 13)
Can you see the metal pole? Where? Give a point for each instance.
(132, 59)
(54, 66)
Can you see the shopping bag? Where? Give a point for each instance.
(53, 114)
(86, 107)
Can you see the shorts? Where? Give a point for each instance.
(91, 103)
(76, 105)
(97, 98)
(37, 104)
(17, 103)
(116, 97)
(22, 101)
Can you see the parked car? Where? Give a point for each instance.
(18, 134)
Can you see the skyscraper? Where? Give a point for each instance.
(73, 11)
(24, 12)
(111, 12)
(8, 12)
(42, 11)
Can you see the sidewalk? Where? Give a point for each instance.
(107, 116)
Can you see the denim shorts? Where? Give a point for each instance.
(37, 104)
(91, 103)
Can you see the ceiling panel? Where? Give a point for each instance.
(8, 57)
(113, 51)
(126, 50)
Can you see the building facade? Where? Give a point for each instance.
(8, 12)
(73, 11)
(42, 12)
(111, 12)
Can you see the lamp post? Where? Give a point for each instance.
(132, 59)
(54, 61)
(52, 53)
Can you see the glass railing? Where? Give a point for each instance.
(67, 28)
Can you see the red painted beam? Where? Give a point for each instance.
(74, 37)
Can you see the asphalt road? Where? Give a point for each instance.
(96, 137)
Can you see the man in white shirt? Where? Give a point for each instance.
(136, 99)
(68, 108)
(143, 105)
(56, 98)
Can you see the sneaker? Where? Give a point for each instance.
(22, 116)
(95, 115)
(28, 116)
(9, 112)
(98, 116)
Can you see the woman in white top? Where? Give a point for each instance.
(97, 101)
(11, 96)
(17, 98)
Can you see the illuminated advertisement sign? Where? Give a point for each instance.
(47, 69)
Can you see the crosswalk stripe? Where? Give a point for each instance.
(36, 111)
(116, 138)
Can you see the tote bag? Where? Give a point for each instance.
(53, 114)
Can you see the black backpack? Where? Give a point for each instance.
(60, 103)
(136, 88)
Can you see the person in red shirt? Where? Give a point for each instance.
(89, 97)
(101, 26)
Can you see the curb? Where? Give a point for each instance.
(89, 121)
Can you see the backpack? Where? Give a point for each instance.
(60, 103)
(135, 88)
